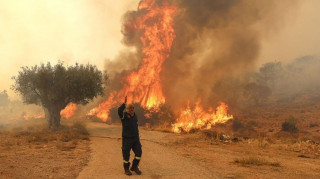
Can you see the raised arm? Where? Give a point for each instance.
(120, 110)
(122, 107)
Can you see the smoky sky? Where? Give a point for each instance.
(214, 40)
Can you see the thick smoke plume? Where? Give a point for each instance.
(215, 41)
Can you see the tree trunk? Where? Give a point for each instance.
(47, 116)
(54, 118)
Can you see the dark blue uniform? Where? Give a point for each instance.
(130, 137)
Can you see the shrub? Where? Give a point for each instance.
(255, 161)
(210, 133)
(237, 125)
(290, 125)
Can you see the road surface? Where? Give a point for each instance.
(158, 160)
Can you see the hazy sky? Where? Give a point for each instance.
(34, 31)
(298, 35)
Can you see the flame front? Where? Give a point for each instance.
(155, 22)
(69, 110)
(143, 86)
(198, 118)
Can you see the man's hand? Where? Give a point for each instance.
(125, 100)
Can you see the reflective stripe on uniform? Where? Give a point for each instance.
(138, 158)
(124, 161)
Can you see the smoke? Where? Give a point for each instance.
(295, 78)
(82, 31)
(215, 41)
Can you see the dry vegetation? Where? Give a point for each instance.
(30, 149)
(255, 161)
(280, 139)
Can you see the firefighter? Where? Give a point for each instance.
(130, 137)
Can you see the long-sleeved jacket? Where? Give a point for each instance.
(129, 123)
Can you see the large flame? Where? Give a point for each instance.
(198, 118)
(143, 85)
(68, 111)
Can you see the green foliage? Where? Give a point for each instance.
(290, 125)
(54, 87)
(58, 85)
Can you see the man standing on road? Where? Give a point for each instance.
(130, 137)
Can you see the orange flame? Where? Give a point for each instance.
(69, 110)
(143, 85)
(198, 118)
(155, 21)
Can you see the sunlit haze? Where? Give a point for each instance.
(33, 31)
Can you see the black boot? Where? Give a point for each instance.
(126, 169)
(134, 167)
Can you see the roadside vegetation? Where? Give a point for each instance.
(255, 161)
(28, 148)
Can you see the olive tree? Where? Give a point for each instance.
(54, 87)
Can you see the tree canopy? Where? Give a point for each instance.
(54, 87)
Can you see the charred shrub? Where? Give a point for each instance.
(237, 125)
(290, 125)
(245, 130)
(162, 117)
(210, 134)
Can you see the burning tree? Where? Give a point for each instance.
(54, 87)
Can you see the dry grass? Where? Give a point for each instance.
(66, 138)
(254, 161)
(31, 147)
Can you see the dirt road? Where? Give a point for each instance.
(158, 161)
